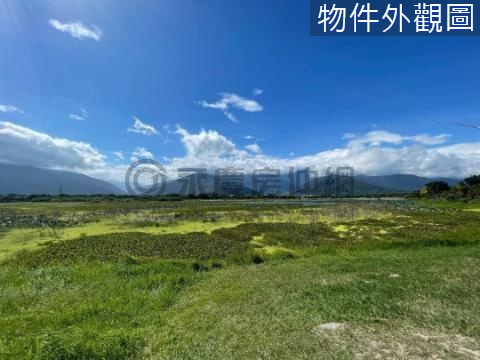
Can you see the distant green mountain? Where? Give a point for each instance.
(363, 184)
(401, 182)
(360, 187)
(17, 179)
(31, 180)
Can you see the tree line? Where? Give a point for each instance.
(468, 188)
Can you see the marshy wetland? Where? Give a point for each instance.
(235, 279)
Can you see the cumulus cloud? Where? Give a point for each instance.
(257, 92)
(77, 29)
(254, 148)
(230, 101)
(10, 109)
(139, 127)
(206, 144)
(82, 116)
(141, 153)
(373, 153)
(21, 145)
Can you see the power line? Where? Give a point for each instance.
(458, 123)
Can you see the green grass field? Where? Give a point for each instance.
(240, 280)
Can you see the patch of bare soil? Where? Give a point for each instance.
(404, 343)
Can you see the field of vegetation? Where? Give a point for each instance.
(240, 279)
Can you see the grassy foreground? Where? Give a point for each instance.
(382, 281)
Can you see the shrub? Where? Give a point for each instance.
(435, 188)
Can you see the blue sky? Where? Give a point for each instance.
(158, 60)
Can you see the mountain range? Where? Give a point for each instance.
(19, 179)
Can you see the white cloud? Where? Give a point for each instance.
(10, 109)
(374, 153)
(249, 137)
(377, 138)
(76, 117)
(139, 127)
(254, 148)
(230, 116)
(82, 116)
(206, 144)
(118, 155)
(232, 101)
(429, 140)
(21, 145)
(257, 92)
(141, 153)
(78, 30)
